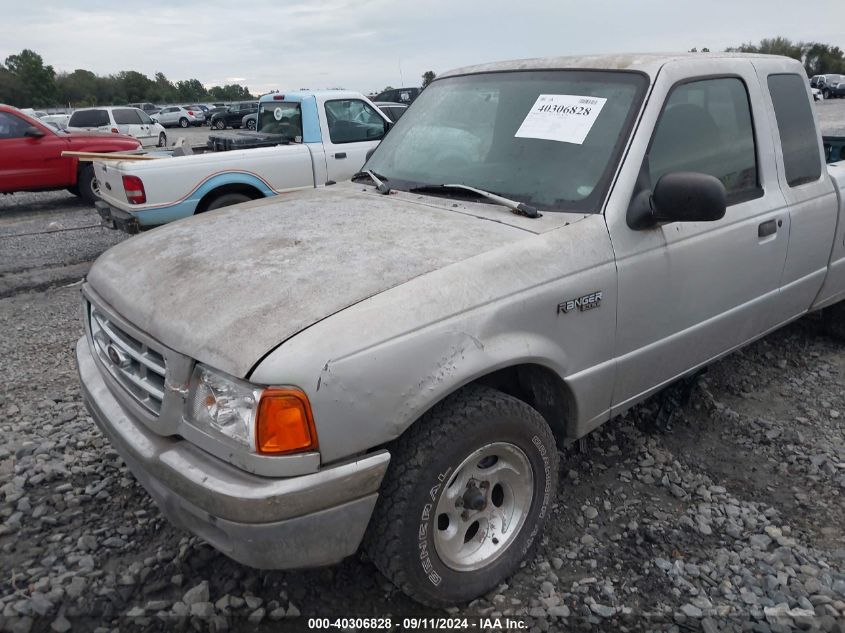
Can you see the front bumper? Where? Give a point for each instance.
(269, 523)
(117, 218)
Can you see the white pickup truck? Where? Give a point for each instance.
(537, 246)
(324, 137)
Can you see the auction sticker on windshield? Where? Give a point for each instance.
(565, 118)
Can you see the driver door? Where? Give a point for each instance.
(691, 291)
(354, 128)
(28, 162)
(129, 122)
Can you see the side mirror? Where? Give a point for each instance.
(680, 196)
(33, 132)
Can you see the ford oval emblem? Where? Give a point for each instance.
(117, 357)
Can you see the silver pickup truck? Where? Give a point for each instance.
(391, 363)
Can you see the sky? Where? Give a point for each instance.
(367, 45)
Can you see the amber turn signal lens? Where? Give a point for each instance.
(284, 424)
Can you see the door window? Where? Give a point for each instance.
(706, 127)
(12, 126)
(797, 129)
(145, 118)
(126, 116)
(352, 120)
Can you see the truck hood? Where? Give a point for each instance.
(227, 287)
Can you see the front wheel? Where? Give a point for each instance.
(250, 124)
(465, 498)
(183, 123)
(162, 140)
(826, 94)
(220, 125)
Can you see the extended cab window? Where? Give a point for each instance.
(706, 127)
(11, 126)
(281, 117)
(796, 127)
(352, 120)
(89, 118)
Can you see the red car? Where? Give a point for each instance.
(31, 156)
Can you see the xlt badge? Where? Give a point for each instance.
(587, 302)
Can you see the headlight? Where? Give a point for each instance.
(224, 404)
(270, 421)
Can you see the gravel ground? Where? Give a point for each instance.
(732, 519)
(831, 115)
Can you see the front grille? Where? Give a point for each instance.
(134, 364)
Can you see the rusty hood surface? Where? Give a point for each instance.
(226, 287)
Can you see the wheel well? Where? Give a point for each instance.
(247, 190)
(540, 388)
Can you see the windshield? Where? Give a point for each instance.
(281, 117)
(547, 138)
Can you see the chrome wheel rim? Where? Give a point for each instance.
(483, 507)
(95, 186)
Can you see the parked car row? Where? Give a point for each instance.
(829, 86)
(119, 120)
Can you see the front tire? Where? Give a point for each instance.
(183, 123)
(89, 188)
(465, 498)
(220, 125)
(250, 124)
(162, 140)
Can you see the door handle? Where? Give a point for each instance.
(340, 155)
(767, 228)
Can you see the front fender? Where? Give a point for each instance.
(399, 381)
(374, 368)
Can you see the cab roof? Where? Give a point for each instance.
(649, 63)
(299, 95)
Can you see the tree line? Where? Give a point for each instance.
(25, 81)
(817, 58)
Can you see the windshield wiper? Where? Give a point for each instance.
(376, 178)
(517, 208)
